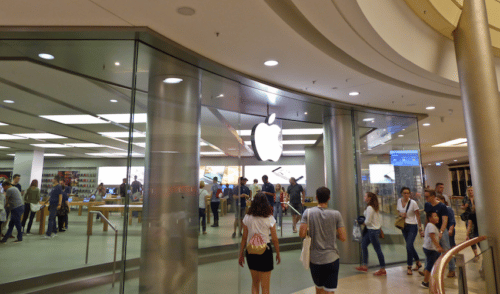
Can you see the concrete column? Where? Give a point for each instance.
(341, 175)
(481, 104)
(170, 232)
(28, 164)
(315, 169)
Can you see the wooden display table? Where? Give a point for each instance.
(111, 200)
(223, 206)
(310, 204)
(40, 216)
(80, 204)
(106, 209)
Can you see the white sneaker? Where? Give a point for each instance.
(46, 237)
(54, 235)
(279, 228)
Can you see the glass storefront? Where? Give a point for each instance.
(151, 126)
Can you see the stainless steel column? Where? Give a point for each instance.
(481, 104)
(341, 175)
(169, 258)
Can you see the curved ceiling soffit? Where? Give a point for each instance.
(443, 17)
(292, 16)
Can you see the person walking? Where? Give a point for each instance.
(297, 198)
(55, 202)
(432, 248)
(268, 190)
(202, 206)
(215, 201)
(278, 209)
(62, 214)
(15, 203)
(240, 195)
(325, 227)
(257, 225)
(32, 196)
(408, 209)
(373, 225)
(451, 231)
(470, 208)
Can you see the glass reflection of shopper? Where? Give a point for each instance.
(240, 195)
(297, 198)
(32, 196)
(257, 225)
(373, 222)
(408, 209)
(278, 208)
(202, 207)
(325, 227)
(215, 202)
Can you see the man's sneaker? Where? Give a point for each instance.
(425, 285)
(46, 237)
(54, 235)
(27, 234)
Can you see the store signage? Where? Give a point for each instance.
(266, 140)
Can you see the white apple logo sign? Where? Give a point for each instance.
(266, 140)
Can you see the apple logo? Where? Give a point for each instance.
(266, 140)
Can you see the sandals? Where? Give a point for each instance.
(409, 272)
(418, 265)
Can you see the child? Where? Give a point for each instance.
(432, 249)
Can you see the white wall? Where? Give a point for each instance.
(435, 174)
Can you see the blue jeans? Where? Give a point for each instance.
(445, 243)
(410, 233)
(52, 220)
(15, 220)
(372, 236)
(278, 212)
(202, 215)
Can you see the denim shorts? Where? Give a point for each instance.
(325, 276)
(431, 256)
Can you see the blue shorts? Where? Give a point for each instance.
(430, 258)
(325, 276)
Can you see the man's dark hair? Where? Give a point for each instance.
(431, 192)
(439, 184)
(323, 194)
(15, 176)
(428, 215)
(264, 177)
(255, 181)
(215, 179)
(404, 188)
(6, 183)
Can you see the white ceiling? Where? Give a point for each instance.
(244, 34)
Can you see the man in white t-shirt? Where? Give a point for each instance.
(255, 188)
(202, 204)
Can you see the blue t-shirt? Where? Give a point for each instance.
(54, 194)
(440, 209)
(239, 190)
(215, 188)
(66, 192)
(268, 187)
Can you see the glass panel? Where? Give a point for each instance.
(389, 157)
(57, 124)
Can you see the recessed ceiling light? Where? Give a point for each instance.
(186, 11)
(220, 96)
(455, 160)
(113, 101)
(426, 124)
(401, 136)
(51, 145)
(368, 119)
(78, 119)
(4, 147)
(8, 101)
(430, 107)
(40, 136)
(353, 93)
(117, 63)
(271, 63)
(46, 56)
(172, 80)
(453, 143)
(2, 124)
(305, 113)
(272, 97)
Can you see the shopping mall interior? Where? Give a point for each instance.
(367, 97)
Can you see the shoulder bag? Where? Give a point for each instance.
(305, 255)
(256, 245)
(400, 221)
(35, 207)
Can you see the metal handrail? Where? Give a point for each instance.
(436, 285)
(89, 232)
(288, 204)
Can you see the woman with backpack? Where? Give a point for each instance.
(408, 209)
(255, 244)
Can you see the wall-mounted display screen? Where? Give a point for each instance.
(381, 173)
(224, 174)
(404, 158)
(114, 175)
(277, 174)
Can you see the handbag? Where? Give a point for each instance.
(464, 216)
(305, 255)
(35, 207)
(400, 221)
(256, 245)
(357, 236)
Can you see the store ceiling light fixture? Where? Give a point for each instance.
(292, 142)
(368, 119)
(401, 136)
(85, 145)
(46, 56)
(186, 11)
(317, 131)
(77, 119)
(271, 63)
(453, 143)
(3, 124)
(124, 118)
(353, 93)
(122, 134)
(117, 63)
(426, 124)
(212, 153)
(10, 137)
(8, 101)
(113, 100)
(48, 145)
(294, 152)
(40, 136)
(4, 147)
(53, 155)
(430, 107)
(172, 80)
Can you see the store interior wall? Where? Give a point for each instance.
(436, 174)
(315, 168)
